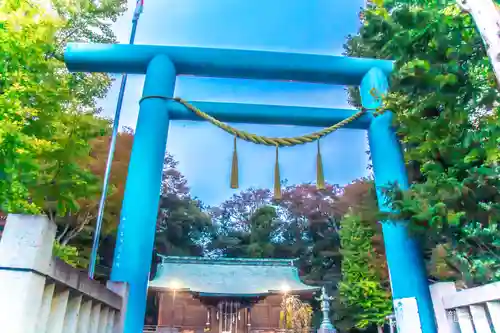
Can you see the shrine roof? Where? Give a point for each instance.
(228, 277)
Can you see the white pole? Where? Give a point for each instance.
(487, 18)
(109, 162)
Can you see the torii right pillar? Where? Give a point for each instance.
(410, 289)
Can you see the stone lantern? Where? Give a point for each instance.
(326, 325)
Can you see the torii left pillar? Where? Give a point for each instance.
(136, 232)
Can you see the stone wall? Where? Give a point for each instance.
(40, 293)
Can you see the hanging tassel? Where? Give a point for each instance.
(320, 177)
(277, 181)
(234, 167)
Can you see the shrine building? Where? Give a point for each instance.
(223, 295)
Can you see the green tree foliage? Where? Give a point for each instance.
(361, 293)
(70, 255)
(295, 315)
(364, 297)
(49, 119)
(236, 220)
(24, 42)
(305, 225)
(77, 228)
(445, 101)
(48, 115)
(183, 227)
(255, 241)
(82, 220)
(302, 225)
(64, 177)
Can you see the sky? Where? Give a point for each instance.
(204, 152)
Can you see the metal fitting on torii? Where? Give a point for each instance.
(487, 18)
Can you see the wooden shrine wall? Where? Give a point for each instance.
(185, 311)
(190, 315)
(266, 314)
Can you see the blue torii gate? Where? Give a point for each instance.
(162, 64)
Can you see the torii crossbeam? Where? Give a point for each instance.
(162, 64)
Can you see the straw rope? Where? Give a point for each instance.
(275, 141)
(272, 141)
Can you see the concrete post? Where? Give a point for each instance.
(118, 321)
(95, 318)
(103, 320)
(444, 319)
(57, 315)
(72, 314)
(136, 231)
(83, 324)
(494, 311)
(44, 312)
(26, 247)
(410, 290)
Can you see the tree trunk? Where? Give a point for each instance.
(380, 329)
(75, 231)
(63, 233)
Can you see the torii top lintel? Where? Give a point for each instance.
(224, 63)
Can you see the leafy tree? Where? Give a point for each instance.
(49, 116)
(361, 294)
(305, 224)
(251, 219)
(86, 21)
(445, 100)
(473, 265)
(72, 225)
(70, 255)
(311, 231)
(183, 228)
(306, 202)
(361, 264)
(238, 210)
(235, 219)
(262, 228)
(257, 241)
(173, 181)
(64, 177)
(24, 42)
(295, 315)
(320, 256)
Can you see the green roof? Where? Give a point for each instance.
(229, 277)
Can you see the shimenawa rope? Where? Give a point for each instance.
(274, 141)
